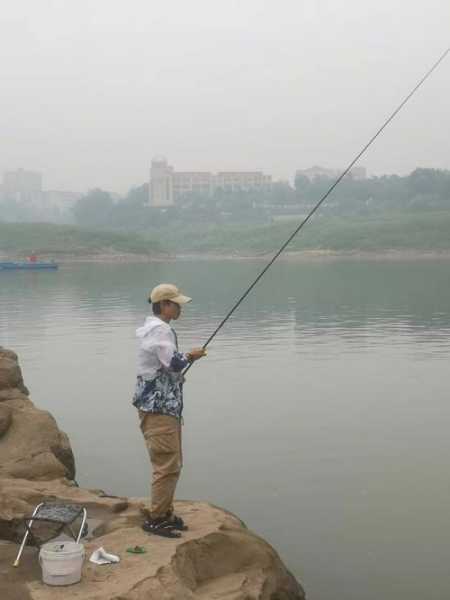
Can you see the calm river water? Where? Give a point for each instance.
(321, 415)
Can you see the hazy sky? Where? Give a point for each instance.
(92, 89)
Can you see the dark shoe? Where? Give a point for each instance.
(162, 527)
(177, 522)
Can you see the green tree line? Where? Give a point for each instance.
(423, 189)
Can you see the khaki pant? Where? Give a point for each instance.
(162, 435)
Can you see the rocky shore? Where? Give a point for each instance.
(217, 558)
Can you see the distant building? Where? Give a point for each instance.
(25, 188)
(315, 172)
(242, 180)
(21, 181)
(22, 186)
(167, 186)
(161, 183)
(192, 181)
(61, 199)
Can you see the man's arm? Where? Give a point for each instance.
(168, 354)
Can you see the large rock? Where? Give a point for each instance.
(18, 498)
(10, 373)
(5, 419)
(31, 444)
(218, 557)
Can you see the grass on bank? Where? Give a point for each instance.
(421, 231)
(66, 240)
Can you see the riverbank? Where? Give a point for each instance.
(328, 255)
(68, 243)
(410, 235)
(294, 256)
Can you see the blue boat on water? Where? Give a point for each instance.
(28, 266)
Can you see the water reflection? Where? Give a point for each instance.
(320, 416)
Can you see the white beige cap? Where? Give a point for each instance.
(167, 291)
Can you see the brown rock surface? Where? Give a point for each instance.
(10, 373)
(217, 558)
(18, 497)
(5, 419)
(31, 444)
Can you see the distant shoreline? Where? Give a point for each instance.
(389, 237)
(289, 256)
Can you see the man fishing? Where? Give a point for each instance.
(159, 400)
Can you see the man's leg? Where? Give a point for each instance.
(171, 509)
(162, 434)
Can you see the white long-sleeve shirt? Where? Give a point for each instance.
(159, 386)
(157, 346)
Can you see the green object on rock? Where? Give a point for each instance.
(137, 550)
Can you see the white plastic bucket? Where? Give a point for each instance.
(61, 562)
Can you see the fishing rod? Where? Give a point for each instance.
(322, 200)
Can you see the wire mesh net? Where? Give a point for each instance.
(52, 520)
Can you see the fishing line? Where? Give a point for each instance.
(322, 200)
